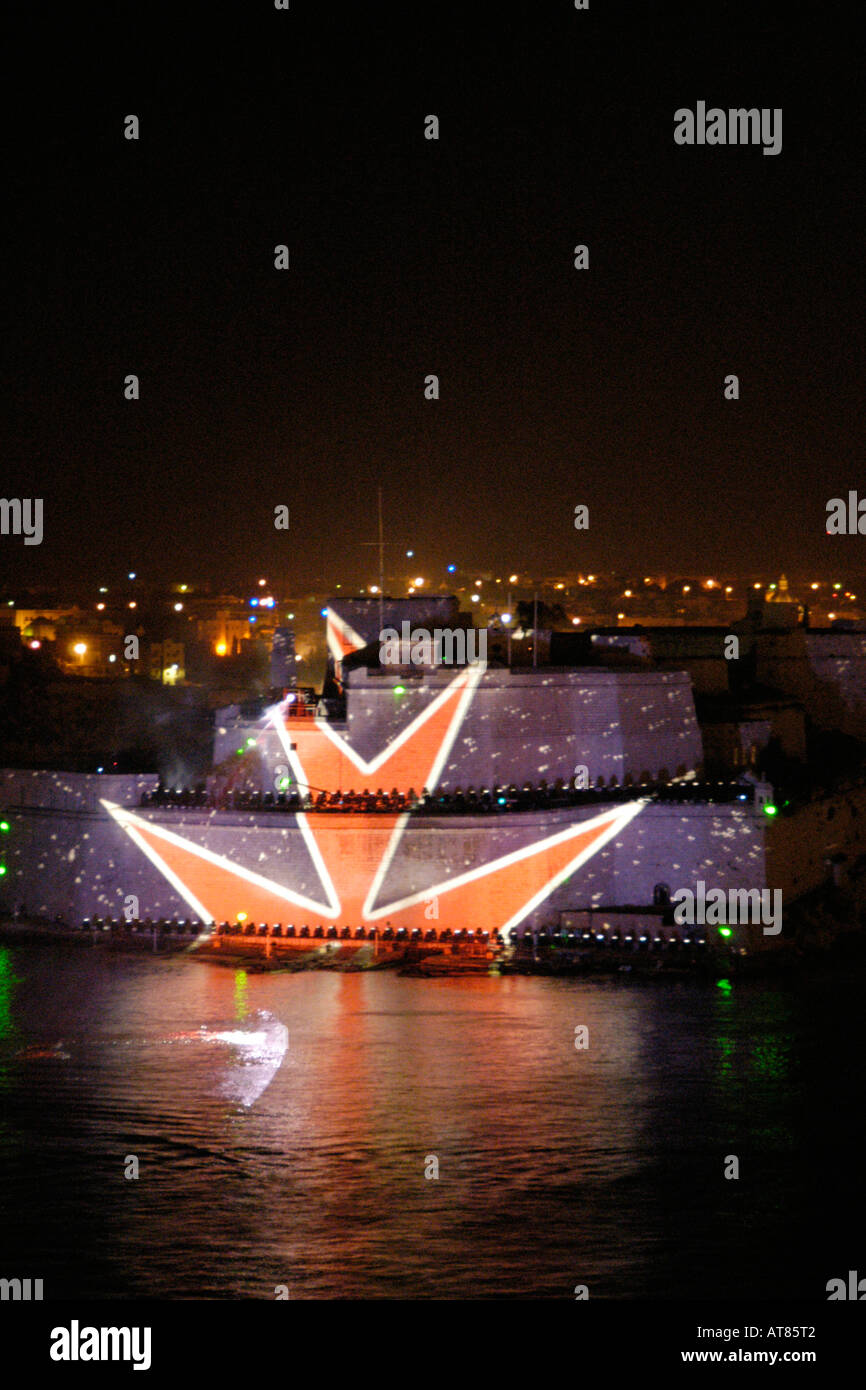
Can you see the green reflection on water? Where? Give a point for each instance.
(726, 1049)
(241, 1004)
(769, 1058)
(8, 981)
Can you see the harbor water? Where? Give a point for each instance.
(178, 1130)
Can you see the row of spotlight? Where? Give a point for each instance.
(522, 941)
(181, 927)
(614, 940)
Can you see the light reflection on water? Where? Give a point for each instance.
(283, 1124)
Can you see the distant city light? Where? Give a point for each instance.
(251, 743)
(506, 617)
(323, 612)
(451, 568)
(399, 690)
(262, 583)
(80, 648)
(112, 658)
(410, 554)
(770, 809)
(725, 931)
(512, 578)
(35, 644)
(374, 588)
(575, 621)
(418, 582)
(178, 607)
(728, 589)
(183, 588)
(221, 649)
(620, 615)
(252, 617)
(687, 588)
(131, 574)
(478, 583)
(837, 586)
(103, 591)
(831, 616)
(100, 607)
(133, 604)
(815, 586)
(291, 617)
(627, 593)
(475, 598)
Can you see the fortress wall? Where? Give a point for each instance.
(64, 854)
(77, 862)
(837, 661)
(524, 726)
(700, 652)
(670, 844)
(799, 846)
(825, 670)
(519, 727)
(72, 791)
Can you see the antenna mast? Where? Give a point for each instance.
(381, 564)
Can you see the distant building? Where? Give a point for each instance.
(783, 609)
(283, 672)
(166, 662)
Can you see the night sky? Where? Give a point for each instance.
(411, 256)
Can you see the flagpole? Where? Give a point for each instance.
(535, 628)
(381, 567)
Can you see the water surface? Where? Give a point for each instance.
(283, 1125)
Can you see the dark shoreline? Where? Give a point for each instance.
(790, 959)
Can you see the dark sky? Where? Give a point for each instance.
(410, 256)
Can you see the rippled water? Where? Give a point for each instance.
(297, 1156)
